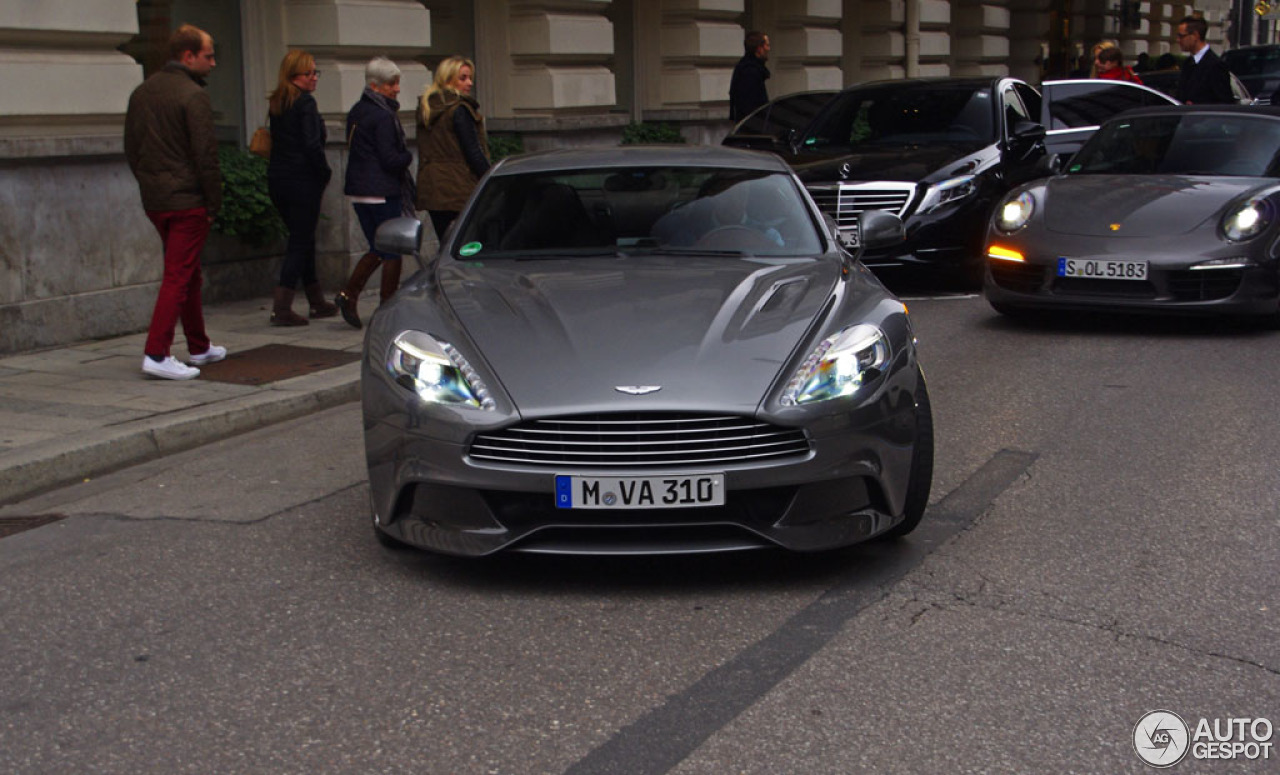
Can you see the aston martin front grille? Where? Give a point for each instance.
(843, 201)
(637, 440)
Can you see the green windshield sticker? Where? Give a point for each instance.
(470, 249)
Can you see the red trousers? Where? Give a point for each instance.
(183, 233)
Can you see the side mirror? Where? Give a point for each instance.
(1027, 132)
(879, 229)
(399, 235)
(1050, 164)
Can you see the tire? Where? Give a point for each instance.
(921, 480)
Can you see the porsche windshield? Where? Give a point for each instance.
(1182, 144)
(615, 211)
(906, 116)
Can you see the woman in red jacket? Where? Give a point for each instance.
(1110, 65)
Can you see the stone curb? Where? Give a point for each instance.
(28, 471)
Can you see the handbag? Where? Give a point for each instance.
(260, 143)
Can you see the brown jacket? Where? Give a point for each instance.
(445, 181)
(170, 143)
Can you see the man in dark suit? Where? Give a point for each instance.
(1205, 78)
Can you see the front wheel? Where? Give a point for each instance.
(921, 480)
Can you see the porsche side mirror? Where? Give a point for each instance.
(399, 235)
(879, 229)
(1050, 164)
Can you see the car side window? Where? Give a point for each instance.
(1014, 110)
(1090, 103)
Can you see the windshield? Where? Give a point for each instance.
(1253, 61)
(915, 115)
(1182, 144)
(614, 211)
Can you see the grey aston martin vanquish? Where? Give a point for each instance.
(1163, 210)
(643, 350)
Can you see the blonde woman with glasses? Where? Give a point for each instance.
(296, 177)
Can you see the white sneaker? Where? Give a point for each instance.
(212, 355)
(169, 368)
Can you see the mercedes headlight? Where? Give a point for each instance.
(839, 366)
(1248, 220)
(947, 192)
(1014, 213)
(436, 371)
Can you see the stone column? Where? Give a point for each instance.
(806, 47)
(72, 229)
(981, 38)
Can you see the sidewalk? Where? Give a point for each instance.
(75, 412)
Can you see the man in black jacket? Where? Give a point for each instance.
(746, 88)
(1205, 78)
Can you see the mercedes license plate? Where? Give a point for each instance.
(1102, 269)
(639, 492)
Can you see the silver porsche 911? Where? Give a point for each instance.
(643, 350)
(1169, 209)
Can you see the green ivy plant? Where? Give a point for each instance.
(650, 132)
(502, 146)
(247, 212)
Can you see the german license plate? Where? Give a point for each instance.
(1102, 269)
(639, 492)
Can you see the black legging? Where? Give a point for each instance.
(299, 204)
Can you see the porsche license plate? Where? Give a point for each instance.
(1102, 269)
(639, 492)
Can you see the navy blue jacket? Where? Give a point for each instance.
(377, 155)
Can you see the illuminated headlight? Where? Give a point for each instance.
(1014, 213)
(1223, 263)
(839, 366)
(948, 191)
(1248, 220)
(436, 371)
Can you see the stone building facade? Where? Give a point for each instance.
(79, 260)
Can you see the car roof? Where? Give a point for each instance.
(940, 80)
(1239, 110)
(594, 157)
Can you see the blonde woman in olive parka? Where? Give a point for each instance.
(453, 151)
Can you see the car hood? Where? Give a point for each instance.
(711, 332)
(1137, 205)
(897, 162)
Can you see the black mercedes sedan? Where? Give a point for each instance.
(939, 152)
(644, 350)
(1164, 210)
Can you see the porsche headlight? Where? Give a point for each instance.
(1248, 220)
(948, 191)
(436, 371)
(839, 366)
(1014, 213)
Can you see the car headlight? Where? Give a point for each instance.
(1014, 213)
(948, 191)
(1248, 220)
(436, 371)
(839, 366)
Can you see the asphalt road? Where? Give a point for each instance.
(1102, 542)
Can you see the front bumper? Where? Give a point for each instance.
(850, 486)
(1178, 289)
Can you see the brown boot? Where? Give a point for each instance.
(319, 307)
(346, 299)
(390, 278)
(282, 313)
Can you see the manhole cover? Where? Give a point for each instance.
(14, 525)
(274, 362)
